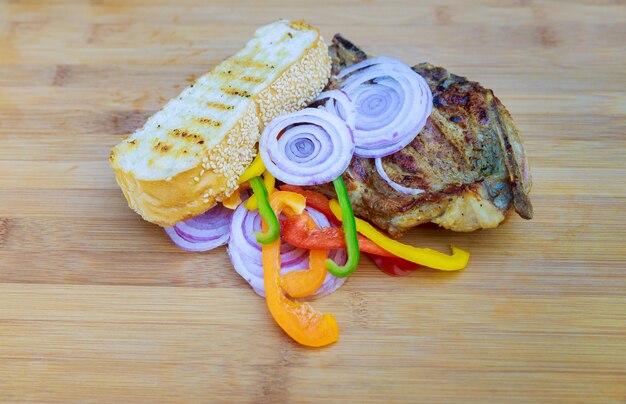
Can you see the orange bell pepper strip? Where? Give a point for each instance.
(305, 282)
(233, 200)
(299, 320)
(296, 232)
(314, 200)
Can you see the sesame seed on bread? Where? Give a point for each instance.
(189, 155)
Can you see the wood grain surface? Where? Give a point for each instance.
(98, 306)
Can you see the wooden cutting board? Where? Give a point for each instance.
(97, 305)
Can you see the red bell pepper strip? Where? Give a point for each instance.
(394, 266)
(314, 200)
(295, 231)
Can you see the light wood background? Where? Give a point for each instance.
(96, 305)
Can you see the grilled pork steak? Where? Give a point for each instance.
(468, 159)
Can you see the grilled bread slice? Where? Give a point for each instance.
(189, 155)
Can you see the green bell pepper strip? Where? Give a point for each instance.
(349, 230)
(266, 212)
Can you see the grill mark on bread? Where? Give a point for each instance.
(252, 79)
(235, 92)
(161, 147)
(220, 106)
(209, 122)
(224, 72)
(249, 62)
(184, 134)
(189, 137)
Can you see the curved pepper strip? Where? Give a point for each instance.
(255, 169)
(296, 232)
(299, 320)
(266, 212)
(270, 183)
(423, 256)
(305, 282)
(394, 266)
(233, 200)
(314, 200)
(349, 230)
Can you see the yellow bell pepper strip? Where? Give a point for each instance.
(266, 212)
(305, 282)
(255, 169)
(423, 256)
(349, 230)
(299, 320)
(270, 183)
(251, 203)
(233, 200)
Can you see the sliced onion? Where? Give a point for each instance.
(245, 252)
(307, 147)
(339, 103)
(369, 62)
(392, 103)
(392, 184)
(204, 232)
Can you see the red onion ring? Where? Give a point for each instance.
(307, 147)
(392, 104)
(204, 232)
(340, 104)
(245, 252)
(400, 188)
(369, 62)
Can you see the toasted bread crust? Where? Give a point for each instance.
(192, 192)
